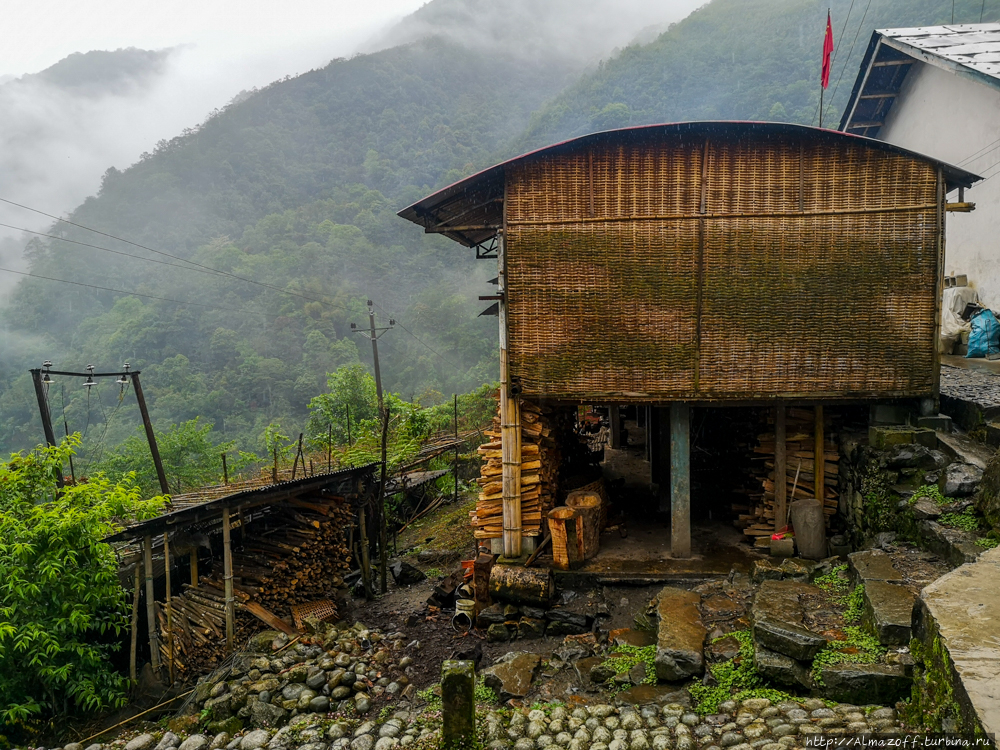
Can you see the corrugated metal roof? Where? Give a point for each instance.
(470, 211)
(969, 50)
(202, 512)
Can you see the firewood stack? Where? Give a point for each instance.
(540, 460)
(296, 554)
(757, 519)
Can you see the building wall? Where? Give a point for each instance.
(722, 270)
(951, 118)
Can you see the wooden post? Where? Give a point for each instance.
(382, 541)
(154, 647)
(150, 437)
(43, 410)
(170, 614)
(819, 457)
(227, 570)
(680, 480)
(193, 557)
(366, 568)
(780, 470)
(510, 426)
(616, 426)
(135, 623)
(455, 467)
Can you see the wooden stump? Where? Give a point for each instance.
(567, 537)
(531, 586)
(588, 507)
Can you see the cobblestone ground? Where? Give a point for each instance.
(754, 724)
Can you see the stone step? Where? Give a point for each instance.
(777, 618)
(680, 636)
(872, 565)
(888, 612)
(864, 684)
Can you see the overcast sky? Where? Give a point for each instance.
(38, 33)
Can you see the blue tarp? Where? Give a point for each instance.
(984, 340)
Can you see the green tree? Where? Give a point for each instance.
(190, 458)
(351, 387)
(61, 603)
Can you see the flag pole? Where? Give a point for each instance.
(824, 79)
(821, 90)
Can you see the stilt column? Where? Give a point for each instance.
(680, 480)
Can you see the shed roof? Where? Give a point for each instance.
(968, 50)
(271, 493)
(470, 211)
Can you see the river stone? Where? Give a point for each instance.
(255, 739)
(316, 680)
(778, 620)
(362, 703)
(167, 741)
(513, 678)
(194, 742)
(780, 668)
(142, 742)
(865, 683)
(266, 714)
(530, 627)
(219, 740)
(888, 612)
(680, 635)
(364, 742)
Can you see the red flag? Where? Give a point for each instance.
(827, 51)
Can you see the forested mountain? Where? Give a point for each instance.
(286, 199)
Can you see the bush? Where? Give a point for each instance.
(61, 603)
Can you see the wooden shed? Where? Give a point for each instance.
(708, 263)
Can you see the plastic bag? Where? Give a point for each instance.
(984, 340)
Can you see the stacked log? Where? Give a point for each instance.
(540, 460)
(757, 518)
(294, 555)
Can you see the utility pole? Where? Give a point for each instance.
(43, 409)
(148, 425)
(373, 333)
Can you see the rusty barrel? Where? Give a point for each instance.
(588, 507)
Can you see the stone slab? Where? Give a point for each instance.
(513, 677)
(872, 565)
(458, 703)
(680, 637)
(954, 545)
(778, 620)
(960, 611)
(780, 668)
(863, 684)
(889, 611)
(966, 450)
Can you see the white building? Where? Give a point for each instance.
(936, 90)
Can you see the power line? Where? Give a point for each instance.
(124, 291)
(836, 48)
(848, 60)
(420, 340)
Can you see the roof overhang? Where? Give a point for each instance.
(971, 51)
(470, 211)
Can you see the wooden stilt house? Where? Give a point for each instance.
(719, 263)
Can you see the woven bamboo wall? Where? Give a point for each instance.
(728, 270)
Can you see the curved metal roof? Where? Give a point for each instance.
(470, 211)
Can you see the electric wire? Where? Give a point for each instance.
(198, 267)
(848, 60)
(836, 49)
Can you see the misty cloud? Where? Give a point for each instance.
(561, 29)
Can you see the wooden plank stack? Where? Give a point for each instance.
(540, 460)
(757, 518)
(295, 554)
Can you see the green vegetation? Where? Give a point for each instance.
(931, 492)
(735, 679)
(855, 602)
(836, 581)
(987, 542)
(966, 520)
(62, 606)
(858, 648)
(624, 658)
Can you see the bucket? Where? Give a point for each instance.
(465, 611)
(810, 528)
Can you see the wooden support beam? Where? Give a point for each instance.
(616, 426)
(680, 480)
(510, 426)
(193, 557)
(819, 452)
(170, 614)
(780, 487)
(890, 63)
(885, 95)
(135, 624)
(227, 571)
(154, 646)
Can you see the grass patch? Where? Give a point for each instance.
(836, 581)
(967, 520)
(626, 657)
(738, 675)
(929, 491)
(858, 648)
(855, 602)
(987, 543)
